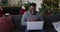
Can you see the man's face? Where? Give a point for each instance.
(32, 9)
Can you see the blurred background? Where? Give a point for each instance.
(11, 12)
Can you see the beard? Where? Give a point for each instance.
(33, 12)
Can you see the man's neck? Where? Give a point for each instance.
(33, 12)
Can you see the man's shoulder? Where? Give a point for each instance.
(27, 12)
(38, 13)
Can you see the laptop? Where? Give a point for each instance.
(35, 25)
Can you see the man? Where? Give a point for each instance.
(31, 15)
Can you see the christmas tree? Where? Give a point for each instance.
(26, 5)
(49, 7)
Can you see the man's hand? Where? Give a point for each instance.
(33, 19)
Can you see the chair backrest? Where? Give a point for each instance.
(48, 22)
(17, 20)
(3, 25)
(9, 21)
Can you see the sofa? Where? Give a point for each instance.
(14, 23)
(48, 20)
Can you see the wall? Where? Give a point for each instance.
(13, 2)
(0, 1)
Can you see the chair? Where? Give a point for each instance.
(17, 21)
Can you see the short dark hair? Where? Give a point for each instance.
(32, 4)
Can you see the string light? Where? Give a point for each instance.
(51, 4)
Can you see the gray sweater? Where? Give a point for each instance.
(27, 15)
